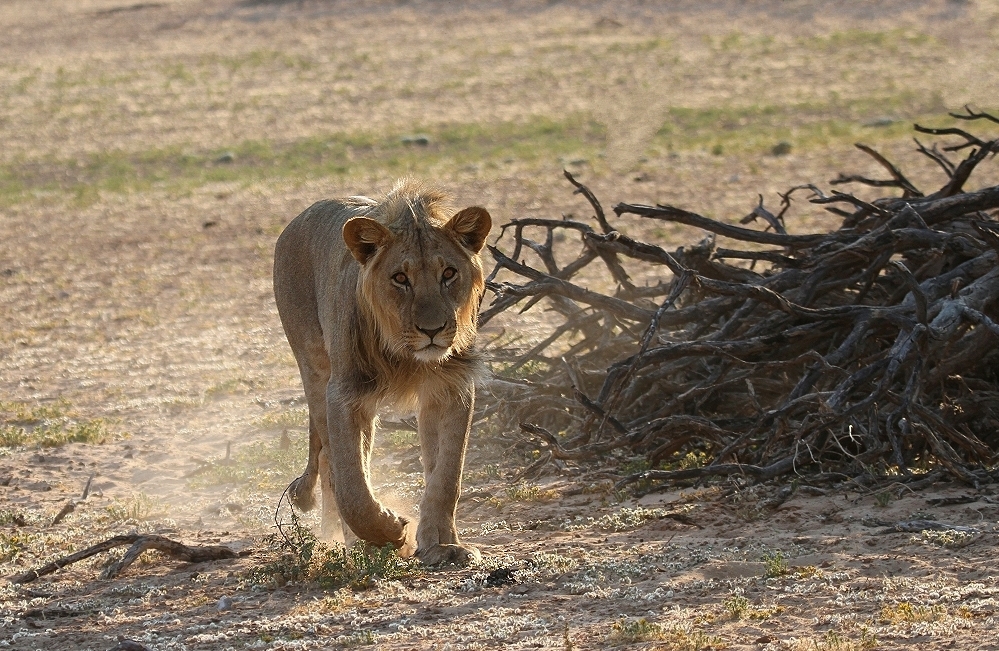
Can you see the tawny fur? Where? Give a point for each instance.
(379, 302)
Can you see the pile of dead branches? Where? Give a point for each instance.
(870, 351)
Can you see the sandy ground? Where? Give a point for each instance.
(150, 308)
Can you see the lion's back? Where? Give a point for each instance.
(313, 268)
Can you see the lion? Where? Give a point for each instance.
(379, 302)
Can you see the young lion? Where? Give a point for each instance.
(379, 302)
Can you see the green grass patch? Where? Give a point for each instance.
(676, 636)
(844, 44)
(729, 130)
(48, 426)
(738, 607)
(399, 439)
(444, 149)
(890, 41)
(135, 509)
(627, 519)
(637, 630)
(263, 465)
(295, 417)
(259, 58)
(757, 129)
(15, 542)
(530, 493)
(906, 612)
(775, 565)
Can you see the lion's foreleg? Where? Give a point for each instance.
(315, 376)
(333, 526)
(331, 514)
(351, 425)
(444, 426)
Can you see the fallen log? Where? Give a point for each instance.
(138, 544)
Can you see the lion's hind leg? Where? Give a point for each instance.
(333, 527)
(302, 493)
(302, 490)
(314, 378)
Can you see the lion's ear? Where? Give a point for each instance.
(364, 236)
(471, 227)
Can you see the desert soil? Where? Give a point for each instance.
(135, 300)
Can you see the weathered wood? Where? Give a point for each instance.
(139, 543)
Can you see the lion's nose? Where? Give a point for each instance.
(430, 332)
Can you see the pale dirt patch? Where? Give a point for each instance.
(153, 308)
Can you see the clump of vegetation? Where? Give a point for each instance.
(553, 561)
(302, 557)
(883, 498)
(776, 564)
(138, 508)
(530, 493)
(833, 641)
(629, 518)
(905, 612)
(736, 606)
(638, 630)
(625, 631)
(297, 417)
(264, 465)
(14, 543)
(953, 539)
(48, 426)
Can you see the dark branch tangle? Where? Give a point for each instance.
(869, 350)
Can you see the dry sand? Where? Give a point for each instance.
(150, 307)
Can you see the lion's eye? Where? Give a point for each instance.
(449, 273)
(400, 279)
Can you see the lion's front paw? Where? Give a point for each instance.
(446, 554)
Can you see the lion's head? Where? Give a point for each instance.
(421, 276)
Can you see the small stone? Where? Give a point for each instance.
(501, 576)
(880, 122)
(128, 645)
(782, 148)
(420, 139)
